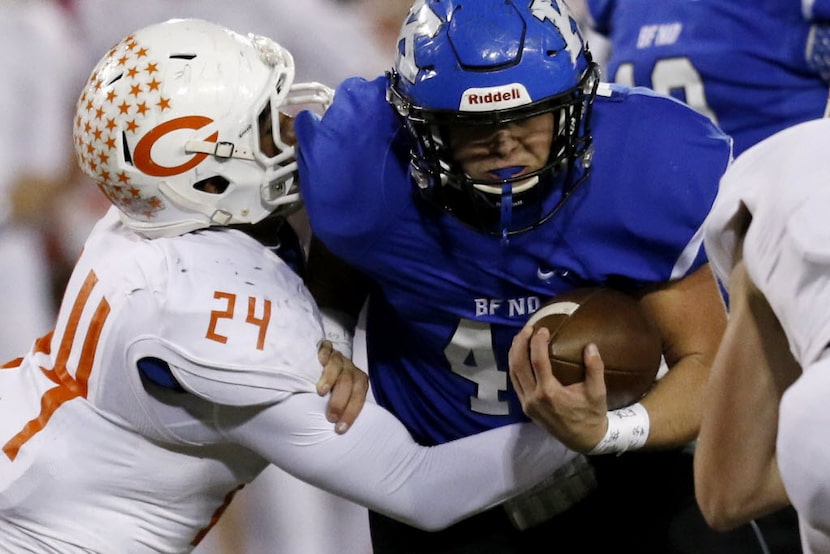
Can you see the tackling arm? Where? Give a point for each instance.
(736, 472)
(378, 464)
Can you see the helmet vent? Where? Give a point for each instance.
(182, 56)
(212, 185)
(128, 158)
(116, 78)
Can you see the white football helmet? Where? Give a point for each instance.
(179, 126)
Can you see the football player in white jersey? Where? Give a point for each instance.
(763, 438)
(184, 357)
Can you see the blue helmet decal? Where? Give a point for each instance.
(421, 23)
(558, 13)
(488, 44)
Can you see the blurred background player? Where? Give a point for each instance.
(185, 354)
(755, 67)
(491, 172)
(41, 64)
(327, 40)
(763, 440)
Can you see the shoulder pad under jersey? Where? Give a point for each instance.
(235, 323)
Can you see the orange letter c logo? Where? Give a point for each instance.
(143, 151)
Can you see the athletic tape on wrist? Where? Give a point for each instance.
(338, 328)
(627, 430)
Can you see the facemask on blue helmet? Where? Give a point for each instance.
(466, 63)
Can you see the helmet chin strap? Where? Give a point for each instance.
(222, 149)
(218, 217)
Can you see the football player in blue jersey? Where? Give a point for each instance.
(755, 67)
(488, 171)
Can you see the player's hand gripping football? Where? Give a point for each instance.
(348, 386)
(574, 414)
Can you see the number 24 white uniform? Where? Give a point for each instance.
(95, 458)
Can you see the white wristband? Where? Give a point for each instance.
(627, 430)
(338, 328)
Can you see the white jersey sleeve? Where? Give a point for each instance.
(780, 185)
(379, 465)
(803, 458)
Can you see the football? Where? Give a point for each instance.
(629, 344)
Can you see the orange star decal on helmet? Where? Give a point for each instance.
(130, 91)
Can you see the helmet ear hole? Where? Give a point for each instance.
(212, 185)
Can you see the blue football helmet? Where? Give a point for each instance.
(491, 62)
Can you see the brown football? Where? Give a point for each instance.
(628, 342)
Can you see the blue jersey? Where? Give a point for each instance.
(450, 300)
(751, 65)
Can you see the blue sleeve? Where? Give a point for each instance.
(695, 153)
(656, 173)
(349, 165)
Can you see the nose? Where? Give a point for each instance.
(503, 142)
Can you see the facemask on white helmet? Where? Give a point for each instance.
(179, 125)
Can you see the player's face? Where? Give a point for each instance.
(508, 150)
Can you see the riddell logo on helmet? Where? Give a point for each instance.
(494, 98)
